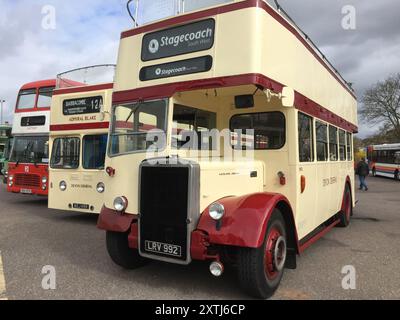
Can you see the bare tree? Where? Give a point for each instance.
(381, 105)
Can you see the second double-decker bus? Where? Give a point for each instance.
(29, 157)
(78, 139)
(231, 142)
(384, 160)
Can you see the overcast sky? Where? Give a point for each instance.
(87, 32)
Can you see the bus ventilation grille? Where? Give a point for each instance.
(27, 180)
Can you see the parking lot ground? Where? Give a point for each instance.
(32, 236)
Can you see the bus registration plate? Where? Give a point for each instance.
(163, 248)
(26, 191)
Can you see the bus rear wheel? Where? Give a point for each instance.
(347, 211)
(260, 270)
(120, 253)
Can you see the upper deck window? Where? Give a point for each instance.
(133, 122)
(258, 131)
(26, 99)
(44, 99)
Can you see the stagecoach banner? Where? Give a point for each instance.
(189, 38)
(82, 105)
(178, 68)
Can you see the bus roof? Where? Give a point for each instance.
(39, 84)
(390, 146)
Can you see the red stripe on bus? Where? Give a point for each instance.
(234, 7)
(80, 126)
(32, 110)
(302, 103)
(83, 89)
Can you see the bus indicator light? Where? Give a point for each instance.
(303, 184)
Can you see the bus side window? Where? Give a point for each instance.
(397, 158)
(322, 141)
(333, 143)
(306, 147)
(342, 145)
(349, 147)
(258, 131)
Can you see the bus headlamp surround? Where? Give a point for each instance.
(100, 187)
(217, 211)
(63, 186)
(120, 204)
(44, 180)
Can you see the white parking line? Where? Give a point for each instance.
(3, 295)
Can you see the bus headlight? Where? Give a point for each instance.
(120, 204)
(44, 180)
(11, 178)
(216, 211)
(63, 186)
(100, 187)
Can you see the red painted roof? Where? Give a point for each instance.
(39, 84)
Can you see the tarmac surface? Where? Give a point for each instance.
(32, 237)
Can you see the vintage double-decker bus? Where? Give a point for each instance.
(29, 157)
(5, 141)
(241, 75)
(78, 140)
(384, 160)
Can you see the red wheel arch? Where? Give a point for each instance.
(246, 218)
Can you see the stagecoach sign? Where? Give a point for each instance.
(189, 38)
(177, 68)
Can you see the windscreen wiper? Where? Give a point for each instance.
(135, 108)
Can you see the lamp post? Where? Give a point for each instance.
(1, 117)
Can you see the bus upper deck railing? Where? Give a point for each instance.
(146, 12)
(91, 75)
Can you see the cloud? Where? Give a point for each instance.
(363, 56)
(87, 32)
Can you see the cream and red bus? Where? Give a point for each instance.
(287, 176)
(384, 160)
(29, 156)
(78, 140)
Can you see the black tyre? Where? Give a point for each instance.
(260, 270)
(347, 211)
(120, 253)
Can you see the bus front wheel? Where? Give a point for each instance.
(120, 253)
(260, 270)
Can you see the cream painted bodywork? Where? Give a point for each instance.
(81, 183)
(248, 41)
